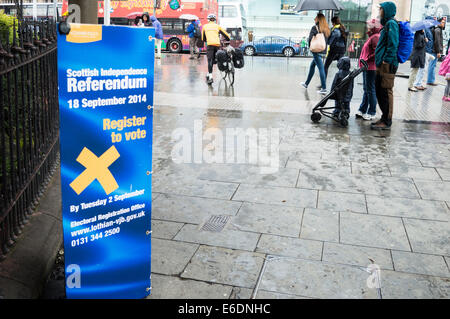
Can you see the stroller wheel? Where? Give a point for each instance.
(343, 121)
(316, 117)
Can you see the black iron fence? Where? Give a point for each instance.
(29, 122)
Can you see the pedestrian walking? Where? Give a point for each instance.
(304, 46)
(445, 71)
(146, 20)
(418, 57)
(368, 108)
(386, 61)
(337, 43)
(318, 36)
(195, 35)
(158, 35)
(437, 51)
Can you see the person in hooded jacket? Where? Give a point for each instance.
(345, 95)
(417, 60)
(337, 43)
(368, 108)
(386, 61)
(158, 35)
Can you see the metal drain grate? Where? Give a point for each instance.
(216, 223)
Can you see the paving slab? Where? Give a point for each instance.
(263, 294)
(370, 169)
(444, 173)
(398, 285)
(227, 238)
(393, 160)
(363, 184)
(315, 279)
(336, 201)
(269, 219)
(276, 195)
(357, 255)
(373, 231)
(194, 187)
(171, 257)
(169, 287)
(165, 230)
(225, 266)
(433, 190)
(241, 293)
(290, 247)
(250, 174)
(315, 165)
(412, 208)
(415, 172)
(420, 264)
(193, 210)
(426, 236)
(319, 224)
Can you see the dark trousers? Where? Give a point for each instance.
(369, 102)
(384, 85)
(211, 54)
(333, 55)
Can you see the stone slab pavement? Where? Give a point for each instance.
(341, 201)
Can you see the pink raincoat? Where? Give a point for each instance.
(445, 66)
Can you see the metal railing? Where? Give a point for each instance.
(29, 122)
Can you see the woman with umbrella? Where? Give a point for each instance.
(417, 60)
(421, 26)
(320, 26)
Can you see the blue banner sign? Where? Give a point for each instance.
(106, 128)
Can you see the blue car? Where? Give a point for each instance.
(271, 45)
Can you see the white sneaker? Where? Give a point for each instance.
(368, 117)
(304, 85)
(359, 115)
(323, 92)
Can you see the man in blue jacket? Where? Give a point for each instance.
(158, 35)
(193, 38)
(386, 61)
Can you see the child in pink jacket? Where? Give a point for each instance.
(445, 71)
(368, 108)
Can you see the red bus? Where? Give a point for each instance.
(173, 15)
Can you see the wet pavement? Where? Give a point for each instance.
(342, 205)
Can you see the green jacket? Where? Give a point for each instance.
(387, 47)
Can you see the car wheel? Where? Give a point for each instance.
(175, 46)
(250, 51)
(288, 52)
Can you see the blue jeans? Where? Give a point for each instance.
(369, 102)
(317, 60)
(431, 70)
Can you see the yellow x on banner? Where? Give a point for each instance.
(96, 168)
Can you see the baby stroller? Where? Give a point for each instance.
(337, 94)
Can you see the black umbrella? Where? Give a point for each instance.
(311, 5)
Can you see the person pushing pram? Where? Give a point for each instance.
(341, 92)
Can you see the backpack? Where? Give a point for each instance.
(406, 41)
(238, 59)
(197, 32)
(222, 60)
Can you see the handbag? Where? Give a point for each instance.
(318, 43)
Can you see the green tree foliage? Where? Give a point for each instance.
(7, 24)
